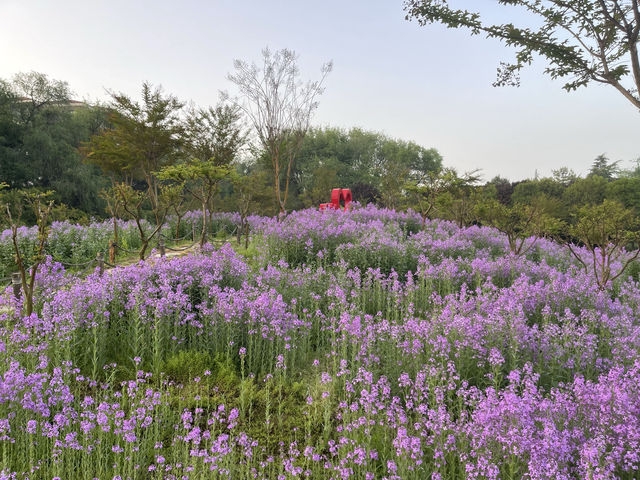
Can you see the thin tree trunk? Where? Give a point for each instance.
(178, 228)
(143, 250)
(203, 237)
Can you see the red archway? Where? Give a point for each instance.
(339, 197)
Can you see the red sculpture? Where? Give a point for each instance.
(338, 195)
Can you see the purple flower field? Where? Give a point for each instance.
(343, 346)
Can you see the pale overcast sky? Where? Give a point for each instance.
(425, 84)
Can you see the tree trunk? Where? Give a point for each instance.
(112, 254)
(203, 237)
(240, 230)
(178, 228)
(28, 304)
(143, 250)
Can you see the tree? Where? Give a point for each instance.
(114, 205)
(626, 191)
(215, 134)
(324, 180)
(360, 157)
(399, 160)
(280, 108)
(564, 176)
(28, 263)
(522, 224)
(143, 138)
(213, 138)
(582, 41)
(426, 189)
(251, 190)
(584, 191)
(201, 179)
(133, 201)
(365, 193)
(603, 168)
(458, 198)
(177, 199)
(503, 189)
(524, 192)
(605, 230)
(392, 184)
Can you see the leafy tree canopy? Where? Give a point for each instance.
(583, 41)
(40, 130)
(602, 167)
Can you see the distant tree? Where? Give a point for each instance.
(602, 167)
(34, 91)
(425, 190)
(213, 138)
(114, 209)
(280, 108)
(504, 189)
(365, 193)
(363, 157)
(564, 176)
(324, 180)
(458, 201)
(133, 201)
(251, 193)
(587, 40)
(626, 191)
(400, 160)
(585, 191)
(605, 230)
(176, 198)
(524, 192)
(635, 171)
(215, 134)
(392, 183)
(201, 180)
(522, 224)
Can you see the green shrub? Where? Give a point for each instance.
(185, 365)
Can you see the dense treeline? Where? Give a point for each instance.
(41, 129)
(99, 159)
(50, 142)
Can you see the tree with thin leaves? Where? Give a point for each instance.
(583, 41)
(280, 108)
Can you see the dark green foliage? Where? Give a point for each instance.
(40, 131)
(373, 165)
(606, 230)
(503, 188)
(625, 191)
(365, 193)
(601, 167)
(584, 191)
